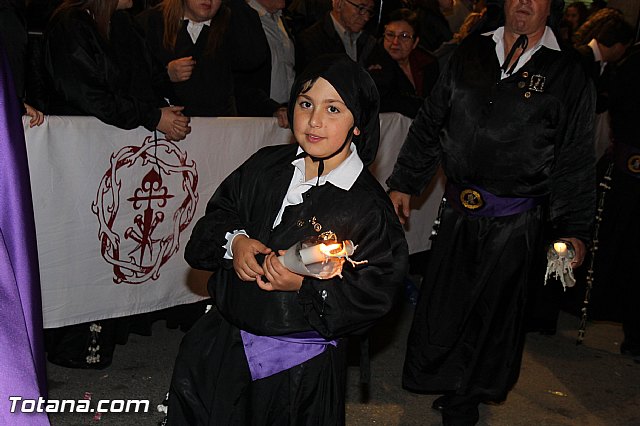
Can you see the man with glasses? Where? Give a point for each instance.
(340, 31)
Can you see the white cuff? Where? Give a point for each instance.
(230, 236)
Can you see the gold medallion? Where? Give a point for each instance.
(471, 199)
(633, 164)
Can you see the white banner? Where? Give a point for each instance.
(114, 208)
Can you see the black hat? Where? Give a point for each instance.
(358, 92)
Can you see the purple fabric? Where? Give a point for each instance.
(268, 355)
(493, 205)
(21, 342)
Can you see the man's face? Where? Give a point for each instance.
(272, 6)
(526, 16)
(347, 12)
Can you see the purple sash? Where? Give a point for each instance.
(268, 355)
(475, 201)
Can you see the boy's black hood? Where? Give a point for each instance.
(357, 90)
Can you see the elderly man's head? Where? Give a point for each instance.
(526, 16)
(353, 15)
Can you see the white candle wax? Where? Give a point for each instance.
(312, 254)
(560, 248)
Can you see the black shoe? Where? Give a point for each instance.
(440, 402)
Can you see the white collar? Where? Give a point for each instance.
(343, 176)
(194, 28)
(198, 24)
(593, 44)
(547, 40)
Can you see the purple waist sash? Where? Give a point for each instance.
(474, 201)
(268, 355)
(627, 159)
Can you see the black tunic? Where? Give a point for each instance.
(616, 289)
(87, 77)
(250, 199)
(514, 141)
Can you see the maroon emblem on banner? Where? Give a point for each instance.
(145, 200)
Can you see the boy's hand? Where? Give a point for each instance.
(244, 257)
(278, 276)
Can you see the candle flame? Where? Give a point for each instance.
(560, 247)
(333, 250)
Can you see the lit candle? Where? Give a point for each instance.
(316, 260)
(560, 248)
(312, 254)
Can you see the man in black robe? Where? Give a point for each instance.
(616, 293)
(510, 121)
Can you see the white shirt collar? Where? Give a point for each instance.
(194, 28)
(547, 40)
(343, 176)
(593, 44)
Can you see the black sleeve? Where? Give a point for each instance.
(205, 249)
(572, 198)
(419, 157)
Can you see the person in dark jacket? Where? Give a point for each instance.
(616, 289)
(87, 77)
(264, 58)
(190, 39)
(339, 31)
(98, 67)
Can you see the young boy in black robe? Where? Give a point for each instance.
(275, 355)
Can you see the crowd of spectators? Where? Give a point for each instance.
(157, 63)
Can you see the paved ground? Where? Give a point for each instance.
(560, 384)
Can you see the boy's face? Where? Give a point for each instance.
(321, 122)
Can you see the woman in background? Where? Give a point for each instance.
(94, 62)
(574, 16)
(404, 73)
(187, 37)
(89, 76)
